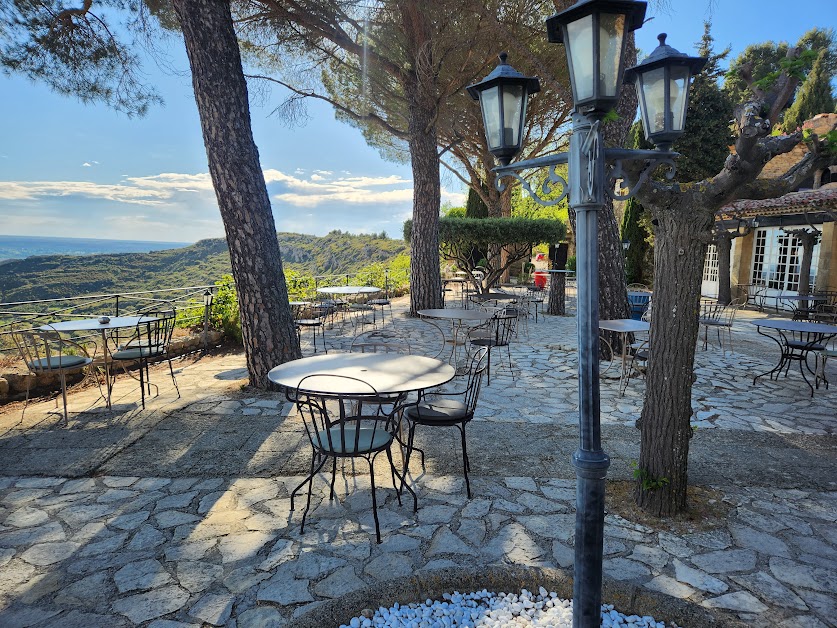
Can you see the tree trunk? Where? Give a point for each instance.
(666, 415)
(267, 325)
(419, 84)
(808, 240)
(557, 294)
(724, 245)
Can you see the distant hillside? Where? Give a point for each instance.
(56, 276)
(21, 247)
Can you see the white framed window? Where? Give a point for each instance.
(777, 257)
(710, 264)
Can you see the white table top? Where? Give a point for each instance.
(797, 326)
(349, 290)
(386, 372)
(93, 324)
(624, 325)
(460, 314)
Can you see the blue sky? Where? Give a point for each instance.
(74, 170)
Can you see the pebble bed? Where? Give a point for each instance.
(485, 609)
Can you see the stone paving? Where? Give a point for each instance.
(179, 515)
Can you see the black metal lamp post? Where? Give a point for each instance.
(593, 32)
(207, 308)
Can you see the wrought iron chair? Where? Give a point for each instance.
(380, 341)
(148, 343)
(313, 318)
(46, 352)
(496, 332)
(341, 426)
(385, 301)
(720, 317)
(446, 409)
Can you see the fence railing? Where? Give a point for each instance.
(193, 305)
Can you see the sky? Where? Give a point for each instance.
(73, 170)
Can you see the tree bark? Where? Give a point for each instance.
(221, 95)
(723, 242)
(666, 415)
(419, 82)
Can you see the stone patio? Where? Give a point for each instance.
(178, 515)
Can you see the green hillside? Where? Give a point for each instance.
(56, 276)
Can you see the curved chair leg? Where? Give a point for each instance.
(392, 473)
(174, 381)
(142, 383)
(310, 487)
(465, 462)
(63, 379)
(371, 462)
(333, 478)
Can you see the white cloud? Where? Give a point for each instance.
(86, 164)
(182, 206)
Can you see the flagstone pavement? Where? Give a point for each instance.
(179, 515)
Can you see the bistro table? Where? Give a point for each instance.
(94, 324)
(799, 303)
(796, 339)
(623, 326)
(387, 373)
(457, 316)
(353, 291)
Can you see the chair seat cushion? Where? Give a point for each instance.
(485, 342)
(368, 440)
(799, 344)
(58, 362)
(309, 322)
(379, 302)
(441, 410)
(135, 353)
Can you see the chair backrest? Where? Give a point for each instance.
(646, 315)
(504, 324)
(154, 334)
(44, 350)
(336, 422)
(639, 287)
(479, 363)
(380, 341)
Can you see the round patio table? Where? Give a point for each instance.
(349, 290)
(796, 339)
(93, 324)
(457, 316)
(387, 373)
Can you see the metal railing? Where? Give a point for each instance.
(193, 305)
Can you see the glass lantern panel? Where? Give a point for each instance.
(653, 85)
(579, 45)
(679, 95)
(490, 103)
(512, 109)
(611, 34)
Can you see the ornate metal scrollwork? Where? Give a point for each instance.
(552, 180)
(616, 176)
(590, 147)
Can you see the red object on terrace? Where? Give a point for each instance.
(539, 279)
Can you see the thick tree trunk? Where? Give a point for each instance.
(666, 415)
(724, 245)
(419, 89)
(221, 94)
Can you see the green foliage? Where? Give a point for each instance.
(814, 97)
(482, 232)
(769, 59)
(571, 262)
(705, 143)
(85, 53)
(225, 314)
(475, 207)
(637, 253)
(648, 482)
(524, 206)
(57, 276)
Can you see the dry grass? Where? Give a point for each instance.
(706, 509)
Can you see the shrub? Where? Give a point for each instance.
(225, 315)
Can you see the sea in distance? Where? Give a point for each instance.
(20, 247)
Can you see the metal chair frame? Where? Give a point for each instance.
(721, 317)
(41, 349)
(496, 332)
(148, 342)
(470, 395)
(335, 425)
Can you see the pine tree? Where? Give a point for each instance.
(475, 207)
(633, 232)
(814, 96)
(705, 144)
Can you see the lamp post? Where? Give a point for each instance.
(593, 33)
(207, 308)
